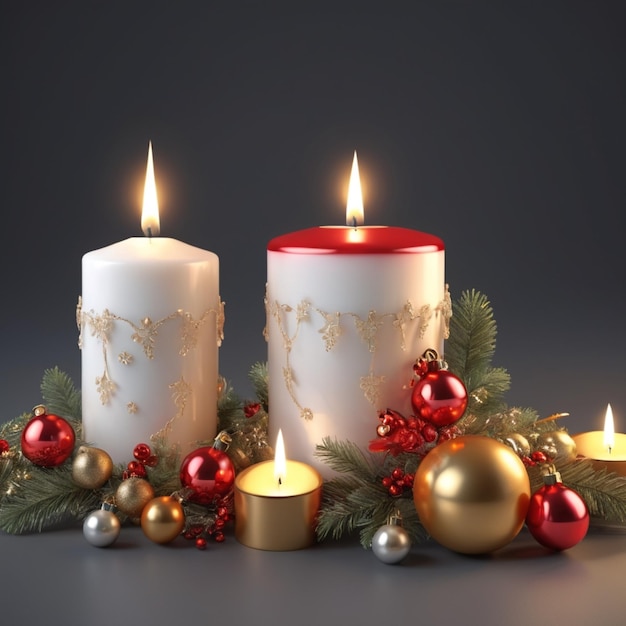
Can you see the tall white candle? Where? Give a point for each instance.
(151, 322)
(349, 310)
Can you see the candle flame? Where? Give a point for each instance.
(150, 224)
(280, 459)
(354, 206)
(609, 429)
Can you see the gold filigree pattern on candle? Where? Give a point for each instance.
(181, 392)
(132, 408)
(367, 328)
(145, 334)
(124, 358)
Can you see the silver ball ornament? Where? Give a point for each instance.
(101, 528)
(391, 543)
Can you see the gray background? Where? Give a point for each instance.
(497, 126)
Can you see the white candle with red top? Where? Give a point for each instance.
(349, 309)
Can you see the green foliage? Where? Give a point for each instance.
(469, 351)
(60, 396)
(38, 499)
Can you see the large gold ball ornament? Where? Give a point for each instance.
(91, 467)
(132, 495)
(163, 519)
(472, 494)
(558, 446)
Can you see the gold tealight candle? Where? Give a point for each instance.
(606, 449)
(276, 503)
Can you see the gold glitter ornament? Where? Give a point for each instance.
(472, 494)
(558, 446)
(132, 495)
(91, 467)
(163, 519)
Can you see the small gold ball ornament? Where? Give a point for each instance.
(91, 467)
(132, 496)
(472, 494)
(558, 446)
(163, 519)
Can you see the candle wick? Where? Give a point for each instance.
(150, 232)
(354, 221)
(280, 481)
(610, 449)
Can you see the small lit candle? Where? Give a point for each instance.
(276, 503)
(605, 448)
(150, 320)
(349, 310)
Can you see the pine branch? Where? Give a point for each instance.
(258, 378)
(603, 492)
(472, 340)
(469, 350)
(345, 457)
(41, 499)
(60, 396)
(12, 430)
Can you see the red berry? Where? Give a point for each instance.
(4, 446)
(219, 536)
(142, 451)
(135, 468)
(387, 482)
(397, 474)
(201, 543)
(395, 490)
(539, 457)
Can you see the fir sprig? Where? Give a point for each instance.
(38, 499)
(469, 351)
(355, 500)
(60, 396)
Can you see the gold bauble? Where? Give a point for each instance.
(518, 443)
(163, 519)
(472, 494)
(132, 495)
(91, 467)
(558, 446)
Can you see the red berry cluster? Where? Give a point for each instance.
(536, 458)
(143, 458)
(4, 446)
(399, 434)
(200, 533)
(398, 482)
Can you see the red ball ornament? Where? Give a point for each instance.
(209, 472)
(439, 396)
(47, 440)
(557, 516)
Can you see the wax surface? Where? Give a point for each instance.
(259, 480)
(591, 445)
(360, 240)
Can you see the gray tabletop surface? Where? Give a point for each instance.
(58, 578)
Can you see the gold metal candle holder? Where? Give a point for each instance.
(274, 516)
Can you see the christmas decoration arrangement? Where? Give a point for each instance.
(464, 469)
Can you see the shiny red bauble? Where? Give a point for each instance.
(209, 473)
(439, 397)
(557, 517)
(47, 440)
